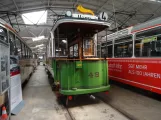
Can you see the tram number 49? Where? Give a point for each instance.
(93, 74)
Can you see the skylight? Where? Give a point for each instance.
(39, 17)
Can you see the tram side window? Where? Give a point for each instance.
(26, 52)
(58, 54)
(88, 47)
(76, 50)
(3, 34)
(71, 51)
(106, 51)
(30, 56)
(123, 47)
(148, 44)
(23, 51)
(12, 43)
(18, 47)
(29, 53)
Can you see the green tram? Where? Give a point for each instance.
(72, 58)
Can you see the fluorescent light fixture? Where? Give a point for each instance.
(40, 48)
(156, 1)
(27, 37)
(64, 41)
(58, 50)
(39, 17)
(39, 45)
(41, 57)
(38, 38)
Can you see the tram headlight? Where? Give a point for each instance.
(69, 13)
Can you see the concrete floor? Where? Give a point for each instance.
(136, 105)
(41, 104)
(40, 101)
(94, 110)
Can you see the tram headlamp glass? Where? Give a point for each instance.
(39, 17)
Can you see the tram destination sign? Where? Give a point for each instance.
(87, 14)
(150, 39)
(84, 16)
(102, 16)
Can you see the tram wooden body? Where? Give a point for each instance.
(74, 65)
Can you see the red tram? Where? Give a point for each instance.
(134, 55)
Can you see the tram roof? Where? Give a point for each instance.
(70, 25)
(147, 25)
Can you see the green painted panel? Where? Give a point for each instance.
(91, 76)
(78, 64)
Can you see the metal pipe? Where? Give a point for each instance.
(15, 4)
(17, 23)
(58, 40)
(52, 44)
(49, 49)
(9, 20)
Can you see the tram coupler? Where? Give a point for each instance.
(92, 97)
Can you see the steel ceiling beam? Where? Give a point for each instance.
(42, 7)
(75, 3)
(7, 12)
(15, 4)
(17, 22)
(100, 8)
(48, 2)
(21, 24)
(9, 20)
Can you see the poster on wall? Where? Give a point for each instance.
(17, 102)
(4, 68)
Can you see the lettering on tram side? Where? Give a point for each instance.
(93, 74)
(141, 70)
(115, 67)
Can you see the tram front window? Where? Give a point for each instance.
(88, 47)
